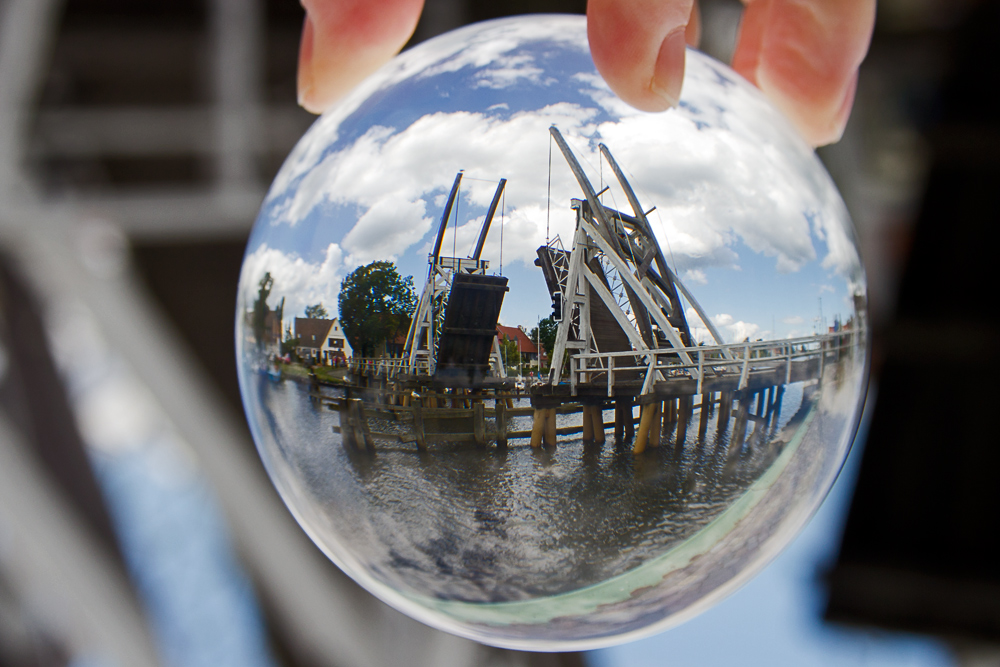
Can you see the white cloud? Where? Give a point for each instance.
(735, 331)
(299, 282)
(386, 228)
(717, 178)
(695, 277)
(793, 320)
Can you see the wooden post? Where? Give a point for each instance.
(657, 428)
(647, 413)
(479, 422)
(588, 424)
(417, 410)
(500, 405)
(684, 410)
(597, 414)
(779, 393)
(537, 427)
(706, 412)
(629, 420)
(346, 427)
(550, 427)
(362, 434)
(740, 427)
(619, 422)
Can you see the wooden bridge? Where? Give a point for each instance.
(622, 340)
(392, 401)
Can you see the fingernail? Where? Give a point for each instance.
(304, 80)
(668, 73)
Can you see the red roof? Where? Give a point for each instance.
(525, 344)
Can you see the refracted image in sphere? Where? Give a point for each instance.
(538, 368)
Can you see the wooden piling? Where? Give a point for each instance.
(706, 413)
(346, 427)
(685, 406)
(479, 422)
(550, 427)
(362, 434)
(740, 427)
(629, 420)
(647, 413)
(537, 427)
(597, 415)
(500, 406)
(657, 428)
(588, 424)
(417, 410)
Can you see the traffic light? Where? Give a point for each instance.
(557, 304)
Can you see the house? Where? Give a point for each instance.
(527, 347)
(321, 341)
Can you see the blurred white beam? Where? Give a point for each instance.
(27, 28)
(59, 570)
(237, 78)
(156, 132)
(166, 215)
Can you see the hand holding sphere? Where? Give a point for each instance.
(804, 54)
(686, 410)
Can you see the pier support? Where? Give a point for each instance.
(705, 414)
(685, 407)
(543, 428)
(417, 411)
(479, 422)
(740, 427)
(624, 421)
(650, 425)
(500, 406)
(725, 411)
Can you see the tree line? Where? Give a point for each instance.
(376, 305)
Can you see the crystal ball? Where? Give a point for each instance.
(540, 369)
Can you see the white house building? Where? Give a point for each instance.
(321, 341)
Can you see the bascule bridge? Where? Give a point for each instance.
(623, 340)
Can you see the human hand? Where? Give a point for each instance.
(804, 54)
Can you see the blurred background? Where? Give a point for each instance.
(137, 526)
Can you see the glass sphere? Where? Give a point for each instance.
(568, 408)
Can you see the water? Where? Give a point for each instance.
(482, 524)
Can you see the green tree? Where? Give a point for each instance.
(318, 311)
(546, 332)
(260, 309)
(376, 305)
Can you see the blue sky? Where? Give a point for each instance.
(744, 210)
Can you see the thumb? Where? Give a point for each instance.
(638, 47)
(343, 41)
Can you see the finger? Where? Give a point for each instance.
(343, 41)
(805, 54)
(638, 47)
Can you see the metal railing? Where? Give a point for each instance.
(707, 361)
(388, 367)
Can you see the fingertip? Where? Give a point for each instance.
(343, 41)
(804, 55)
(639, 48)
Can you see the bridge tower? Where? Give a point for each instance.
(616, 290)
(453, 331)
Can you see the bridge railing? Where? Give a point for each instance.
(707, 361)
(388, 367)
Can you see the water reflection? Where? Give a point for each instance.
(463, 522)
